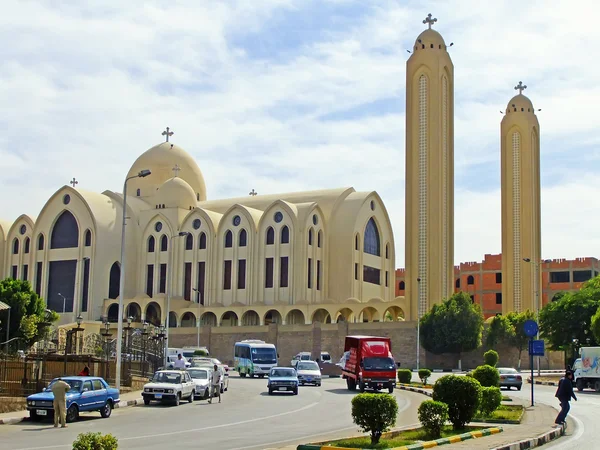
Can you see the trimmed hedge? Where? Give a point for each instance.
(433, 416)
(424, 374)
(490, 358)
(95, 441)
(404, 375)
(374, 413)
(491, 398)
(487, 376)
(461, 394)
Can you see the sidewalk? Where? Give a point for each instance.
(127, 399)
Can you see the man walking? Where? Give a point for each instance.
(215, 383)
(179, 363)
(59, 390)
(564, 393)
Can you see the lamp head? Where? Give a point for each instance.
(527, 259)
(129, 320)
(183, 233)
(79, 320)
(145, 325)
(144, 173)
(107, 326)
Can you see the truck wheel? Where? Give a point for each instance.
(579, 384)
(361, 386)
(351, 384)
(391, 388)
(597, 386)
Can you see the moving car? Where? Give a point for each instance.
(370, 363)
(209, 363)
(201, 378)
(169, 386)
(86, 394)
(509, 378)
(302, 356)
(308, 373)
(282, 379)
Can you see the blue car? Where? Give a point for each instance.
(86, 394)
(283, 379)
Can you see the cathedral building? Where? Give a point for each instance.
(291, 258)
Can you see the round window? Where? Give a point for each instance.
(315, 219)
(23, 229)
(237, 220)
(278, 217)
(67, 199)
(372, 205)
(158, 226)
(196, 224)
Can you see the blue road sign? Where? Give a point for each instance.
(530, 328)
(536, 347)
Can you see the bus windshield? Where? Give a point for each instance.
(264, 355)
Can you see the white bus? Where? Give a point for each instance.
(254, 357)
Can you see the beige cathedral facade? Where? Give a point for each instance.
(294, 258)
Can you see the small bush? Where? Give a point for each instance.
(433, 415)
(200, 352)
(95, 441)
(424, 374)
(487, 376)
(404, 375)
(491, 398)
(490, 358)
(461, 394)
(374, 413)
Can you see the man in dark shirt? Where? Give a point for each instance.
(564, 393)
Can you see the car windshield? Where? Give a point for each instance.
(378, 363)
(264, 355)
(325, 357)
(283, 373)
(198, 374)
(505, 371)
(75, 384)
(166, 377)
(308, 365)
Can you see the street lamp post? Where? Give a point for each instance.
(127, 337)
(418, 320)
(106, 334)
(198, 318)
(69, 341)
(144, 337)
(169, 286)
(141, 174)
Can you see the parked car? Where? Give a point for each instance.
(169, 386)
(302, 356)
(308, 373)
(86, 394)
(509, 378)
(282, 379)
(210, 363)
(201, 377)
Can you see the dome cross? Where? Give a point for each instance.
(429, 21)
(73, 182)
(176, 170)
(520, 87)
(253, 192)
(167, 133)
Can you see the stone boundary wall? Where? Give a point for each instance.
(292, 339)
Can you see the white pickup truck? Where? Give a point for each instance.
(587, 369)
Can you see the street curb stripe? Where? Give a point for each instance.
(412, 389)
(534, 442)
(421, 445)
(544, 383)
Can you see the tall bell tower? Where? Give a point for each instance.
(429, 215)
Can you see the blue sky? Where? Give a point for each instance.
(282, 95)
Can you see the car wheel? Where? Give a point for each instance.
(146, 401)
(242, 374)
(191, 397)
(262, 375)
(518, 388)
(72, 414)
(106, 410)
(270, 391)
(361, 386)
(34, 416)
(250, 375)
(296, 392)
(206, 394)
(177, 399)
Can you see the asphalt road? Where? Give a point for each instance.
(247, 419)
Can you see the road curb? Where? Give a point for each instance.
(536, 441)
(13, 420)
(544, 383)
(421, 445)
(413, 389)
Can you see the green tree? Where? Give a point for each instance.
(570, 317)
(596, 325)
(454, 326)
(374, 413)
(509, 331)
(28, 317)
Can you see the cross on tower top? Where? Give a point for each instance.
(429, 21)
(167, 133)
(176, 170)
(253, 192)
(73, 182)
(520, 87)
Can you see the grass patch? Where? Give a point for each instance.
(418, 385)
(398, 439)
(505, 412)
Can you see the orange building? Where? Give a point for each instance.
(483, 280)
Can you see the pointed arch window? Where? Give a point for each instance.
(310, 236)
(65, 233)
(470, 279)
(402, 286)
(15, 248)
(164, 243)
(270, 236)
(319, 238)
(285, 235)
(356, 244)
(88, 238)
(189, 242)
(26, 246)
(40, 241)
(387, 251)
(151, 243)
(114, 280)
(372, 245)
(138, 192)
(457, 283)
(228, 239)
(243, 238)
(202, 241)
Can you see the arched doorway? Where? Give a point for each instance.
(134, 311)
(113, 280)
(172, 319)
(393, 314)
(321, 315)
(272, 316)
(295, 317)
(250, 318)
(344, 315)
(153, 314)
(188, 320)
(229, 319)
(369, 314)
(112, 314)
(208, 319)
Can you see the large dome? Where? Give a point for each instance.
(429, 37)
(161, 160)
(519, 103)
(176, 193)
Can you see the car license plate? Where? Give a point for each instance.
(41, 412)
(282, 389)
(157, 395)
(309, 379)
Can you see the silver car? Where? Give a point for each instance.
(201, 377)
(510, 377)
(308, 373)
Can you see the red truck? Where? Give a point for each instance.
(369, 363)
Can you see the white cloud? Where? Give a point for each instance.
(84, 89)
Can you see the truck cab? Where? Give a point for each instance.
(370, 364)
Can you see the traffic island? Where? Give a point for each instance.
(413, 439)
(505, 414)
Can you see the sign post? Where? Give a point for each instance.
(530, 328)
